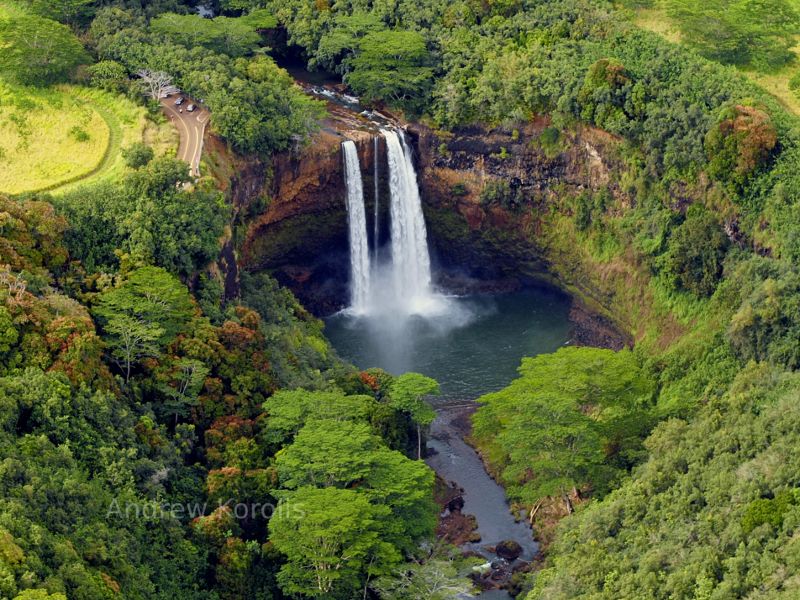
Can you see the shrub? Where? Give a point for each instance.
(740, 144)
(79, 134)
(138, 155)
(503, 193)
(458, 189)
(767, 511)
(695, 253)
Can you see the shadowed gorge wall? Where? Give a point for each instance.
(487, 197)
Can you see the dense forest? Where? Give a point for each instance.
(161, 440)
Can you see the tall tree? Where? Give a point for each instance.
(407, 393)
(146, 310)
(37, 50)
(392, 66)
(155, 83)
(332, 539)
(66, 11)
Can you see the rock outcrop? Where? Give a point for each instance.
(487, 194)
(292, 212)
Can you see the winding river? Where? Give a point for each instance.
(473, 348)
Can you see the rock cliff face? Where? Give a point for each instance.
(292, 212)
(486, 194)
(486, 191)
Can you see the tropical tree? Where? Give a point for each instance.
(328, 453)
(37, 50)
(109, 75)
(332, 539)
(65, 11)
(288, 410)
(436, 578)
(392, 66)
(143, 313)
(407, 394)
(568, 423)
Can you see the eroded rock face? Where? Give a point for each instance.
(484, 193)
(295, 224)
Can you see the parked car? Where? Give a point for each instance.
(179, 101)
(191, 108)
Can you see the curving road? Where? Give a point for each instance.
(191, 127)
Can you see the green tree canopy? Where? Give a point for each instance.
(147, 310)
(288, 410)
(551, 430)
(330, 537)
(695, 253)
(392, 66)
(407, 394)
(37, 50)
(231, 36)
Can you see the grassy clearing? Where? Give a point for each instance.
(127, 124)
(776, 83)
(53, 138)
(47, 137)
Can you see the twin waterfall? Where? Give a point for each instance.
(402, 285)
(360, 276)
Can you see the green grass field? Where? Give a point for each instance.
(56, 137)
(776, 83)
(47, 137)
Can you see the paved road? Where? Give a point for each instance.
(191, 127)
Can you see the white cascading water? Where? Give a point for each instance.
(411, 265)
(357, 220)
(375, 180)
(401, 286)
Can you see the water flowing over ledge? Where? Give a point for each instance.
(399, 286)
(357, 222)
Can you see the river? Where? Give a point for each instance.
(473, 349)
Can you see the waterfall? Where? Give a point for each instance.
(375, 174)
(411, 268)
(357, 221)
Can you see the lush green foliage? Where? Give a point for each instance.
(695, 253)
(340, 473)
(233, 37)
(150, 216)
(254, 103)
(115, 437)
(117, 385)
(391, 66)
(570, 421)
(710, 514)
(37, 50)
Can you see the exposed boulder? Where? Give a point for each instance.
(509, 550)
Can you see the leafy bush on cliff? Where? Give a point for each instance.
(702, 516)
(695, 252)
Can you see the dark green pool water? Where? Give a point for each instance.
(473, 349)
